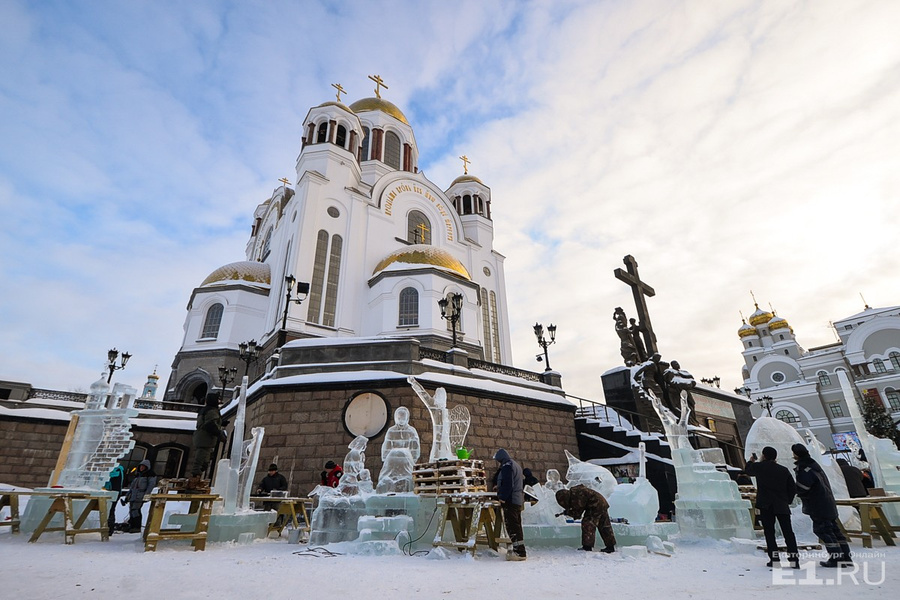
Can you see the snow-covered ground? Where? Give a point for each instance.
(271, 569)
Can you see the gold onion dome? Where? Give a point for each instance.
(466, 179)
(746, 330)
(378, 104)
(423, 254)
(760, 316)
(254, 272)
(333, 103)
(778, 323)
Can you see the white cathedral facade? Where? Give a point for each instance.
(378, 243)
(803, 384)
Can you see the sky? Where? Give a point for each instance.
(727, 146)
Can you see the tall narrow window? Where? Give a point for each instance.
(341, 138)
(318, 278)
(495, 327)
(334, 276)
(267, 246)
(418, 228)
(879, 366)
(467, 204)
(895, 359)
(836, 410)
(486, 325)
(322, 136)
(212, 322)
(392, 150)
(824, 379)
(364, 151)
(409, 308)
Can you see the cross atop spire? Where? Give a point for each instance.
(379, 83)
(339, 89)
(285, 181)
(466, 162)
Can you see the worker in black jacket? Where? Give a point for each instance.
(814, 490)
(775, 490)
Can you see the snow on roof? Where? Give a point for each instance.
(177, 424)
(37, 413)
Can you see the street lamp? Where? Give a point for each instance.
(111, 356)
(249, 352)
(451, 310)
(302, 293)
(543, 342)
(742, 391)
(226, 376)
(711, 381)
(766, 403)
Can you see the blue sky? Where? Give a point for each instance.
(728, 146)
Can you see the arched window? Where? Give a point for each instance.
(467, 204)
(392, 150)
(893, 399)
(212, 322)
(824, 379)
(169, 461)
(409, 308)
(879, 366)
(364, 151)
(133, 459)
(341, 137)
(322, 137)
(895, 359)
(334, 277)
(317, 285)
(787, 416)
(267, 245)
(418, 228)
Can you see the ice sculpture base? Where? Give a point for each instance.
(628, 534)
(228, 528)
(717, 519)
(37, 508)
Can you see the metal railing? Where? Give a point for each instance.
(163, 405)
(504, 370)
(57, 395)
(432, 354)
(598, 410)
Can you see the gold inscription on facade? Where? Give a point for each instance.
(392, 194)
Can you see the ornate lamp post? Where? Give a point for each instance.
(766, 403)
(111, 356)
(249, 352)
(711, 381)
(302, 293)
(543, 342)
(451, 310)
(226, 376)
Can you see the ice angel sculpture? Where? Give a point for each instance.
(442, 422)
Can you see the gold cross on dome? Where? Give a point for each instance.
(466, 162)
(423, 228)
(379, 83)
(339, 89)
(285, 181)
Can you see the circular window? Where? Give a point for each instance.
(333, 212)
(777, 377)
(366, 414)
(487, 271)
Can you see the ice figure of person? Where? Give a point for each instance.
(596, 477)
(364, 483)
(553, 482)
(399, 454)
(354, 464)
(440, 420)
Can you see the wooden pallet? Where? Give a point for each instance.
(447, 477)
(180, 485)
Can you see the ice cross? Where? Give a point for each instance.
(639, 289)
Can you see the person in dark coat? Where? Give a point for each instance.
(273, 481)
(115, 483)
(815, 492)
(144, 481)
(775, 490)
(856, 481)
(581, 502)
(511, 494)
(331, 476)
(208, 433)
(528, 477)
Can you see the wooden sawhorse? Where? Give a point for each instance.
(63, 504)
(872, 518)
(11, 499)
(201, 505)
(291, 509)
(475, 519)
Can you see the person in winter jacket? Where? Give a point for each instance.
(818, 502)
(775, 490)
(115, 483)
(331, 476)
(581, 502)
(208, 433)
(511, 494)
(856, 481)
(144, 481)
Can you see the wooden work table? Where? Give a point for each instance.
(871, 515)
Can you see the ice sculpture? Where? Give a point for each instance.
(553, 483)
(709, 503)
(102, 436)
(593, 476)
(442, 424)
(399, 454)
(459, 426)
(235, 475)
(768, 431)
(882, 454)
(335, 518)
(637, 502)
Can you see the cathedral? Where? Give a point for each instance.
(358, 274)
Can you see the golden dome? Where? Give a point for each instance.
(778, 323)
(378, 104)
(747, 330)
(255, 272)
(423, 254)
(760, 316)
(465, 179)
(333, 103)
